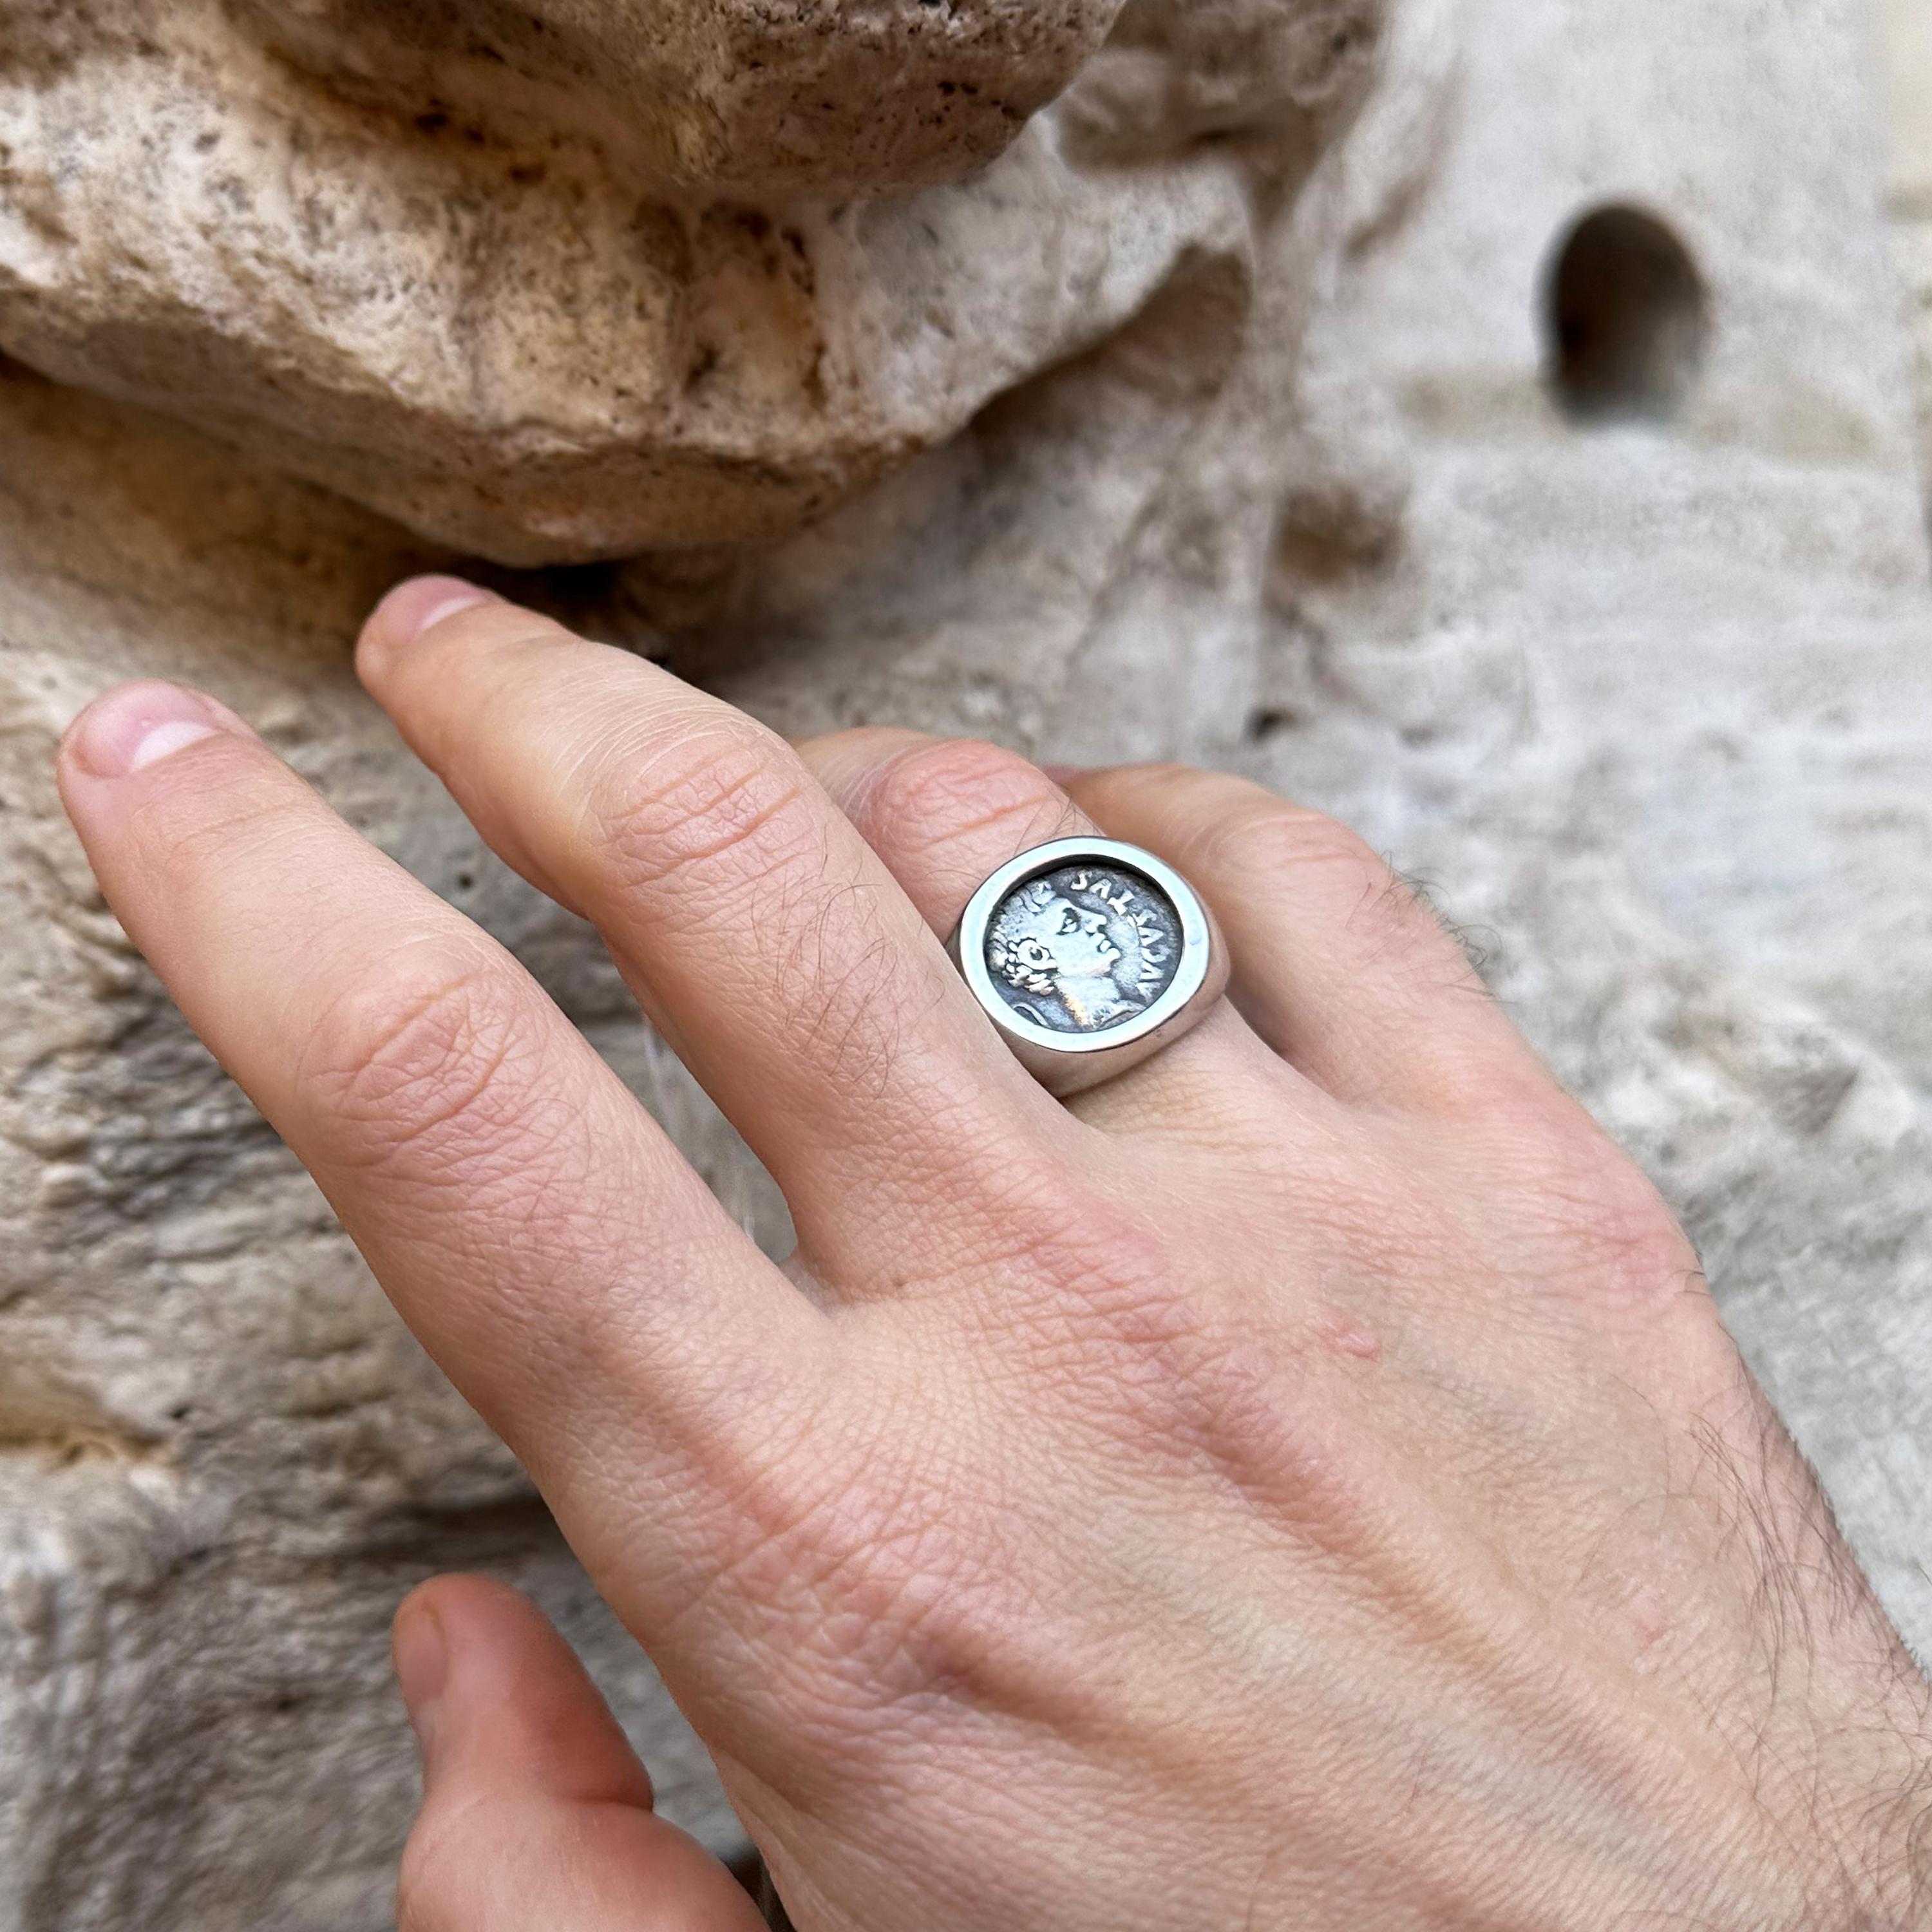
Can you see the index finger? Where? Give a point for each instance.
(535, 1227)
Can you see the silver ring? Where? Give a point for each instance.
(1090, 956)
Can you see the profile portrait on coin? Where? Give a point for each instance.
(1083, 949)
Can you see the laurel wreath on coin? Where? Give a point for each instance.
(1016, 956)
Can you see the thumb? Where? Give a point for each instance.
(536, 1814)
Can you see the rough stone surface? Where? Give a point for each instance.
(717, 98)
(495, 329)
(1648, 704)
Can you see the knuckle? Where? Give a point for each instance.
(420, 1060)
(1259, 833)
(1093, 1253)
(1628, 1235)
(724, 797)
(1103, 1281)
(959, 788)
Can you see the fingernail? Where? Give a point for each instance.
(139, 725)
(1065, 775)
(422, 1668)
(419, 605)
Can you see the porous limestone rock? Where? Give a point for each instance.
(504, 330)
(716, 97)
(1647, 703)
(559, 283)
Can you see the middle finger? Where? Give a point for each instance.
(761, 934)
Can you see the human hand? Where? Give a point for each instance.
(1302, 1483)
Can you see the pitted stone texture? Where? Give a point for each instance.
(500, 338)
(718, 97)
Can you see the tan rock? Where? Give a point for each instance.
(502, 338)
(718, 97)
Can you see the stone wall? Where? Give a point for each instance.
(1228, 413)
(1648, 693)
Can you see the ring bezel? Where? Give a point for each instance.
(1068, 1062)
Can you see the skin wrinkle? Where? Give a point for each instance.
(859, 1030)
(643, 836)
(606, 1358)
(160, 829)
(1199, 1395)
(509, 1162)
(938, 797)
(368, 1049)
(946, 1245)
(1261, 835)
(802, 1612)
(679, 1576)
(866, 982)
(1188, 1108)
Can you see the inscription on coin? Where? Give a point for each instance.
(1083, 949)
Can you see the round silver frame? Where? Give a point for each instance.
(1067, 1063)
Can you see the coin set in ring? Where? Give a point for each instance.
(1089, 956)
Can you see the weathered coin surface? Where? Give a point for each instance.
(1083, 949)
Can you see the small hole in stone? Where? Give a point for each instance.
(1626, 318)
(1271, 721)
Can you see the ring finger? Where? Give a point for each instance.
(1340, 967)
(946, 813)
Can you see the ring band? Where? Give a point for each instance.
(1090, 956)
